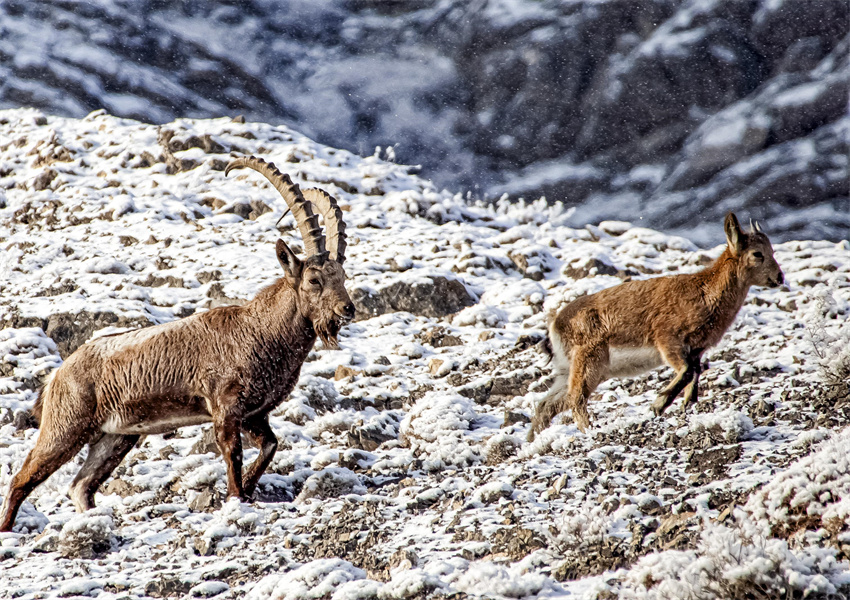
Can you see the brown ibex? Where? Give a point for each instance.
(231, 365)
(639, 325)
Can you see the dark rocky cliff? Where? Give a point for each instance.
(663, 111)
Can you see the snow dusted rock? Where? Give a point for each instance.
(810, 499)
(729, 426)
(729, 563)
(434, 429)
(88, 535)
(323, 578)
(500, 447)
(331, 483)
(434, 296)
(69, 331)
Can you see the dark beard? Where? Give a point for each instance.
(327, 331)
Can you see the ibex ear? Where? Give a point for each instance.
(290, 263)
(735, 236)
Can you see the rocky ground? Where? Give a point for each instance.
(666, 112)
(403, 470)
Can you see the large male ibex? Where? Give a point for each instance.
(639, 325)
(231, 365)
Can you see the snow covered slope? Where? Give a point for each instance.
(402, 470)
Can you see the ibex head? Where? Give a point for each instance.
(756, 264)
(319, 279)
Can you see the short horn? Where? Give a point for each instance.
(334, 225)
(758, 227)
(305, 218)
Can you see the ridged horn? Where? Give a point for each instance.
(334, 225)
(305, 218)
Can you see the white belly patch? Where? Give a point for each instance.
(626, 361)
(117, 425)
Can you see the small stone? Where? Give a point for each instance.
(202, 502)
(344, 372)
(167, 586)
(206, 444)
(725, 513)
(203, 546)
(404, 559)
(47, 541)
(119, 487)
(24, 420)
(486, 335)
(514, 418)
(434, 365)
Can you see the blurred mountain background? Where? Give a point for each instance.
(666, 113)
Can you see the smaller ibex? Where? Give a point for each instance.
(231, 365)
(639, 325)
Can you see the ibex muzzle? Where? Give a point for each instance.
(231, 365)
(639, 325)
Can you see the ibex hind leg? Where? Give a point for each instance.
(50, 452)
(105, 454)
(588, 366)
(555, 402)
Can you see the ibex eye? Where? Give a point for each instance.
(758, 255)
(315, 281)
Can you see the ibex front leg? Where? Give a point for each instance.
(261, 434)
(692, 391)
(677, 357)
(227, 424)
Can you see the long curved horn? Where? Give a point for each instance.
(305, 218)
(334, 225)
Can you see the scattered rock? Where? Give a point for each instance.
(517, 542)
(165, 586)
(533, 263)
(713, 463)
(24, 420)
(206, 444)
(502, 449)
(204, 546)
(71, 330)
(43, 180)
(344, 372)
(514, 418)
(87, 536)
(203, 501)
(208, 589)
(46, 541)
(478, 392)
(434, 297)
(369, 437)
(434, 366)
(492, 493)
(589, 268)
(439, 337)
(331, 483)
(218, 298)
(403, 559)
(120, 487)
